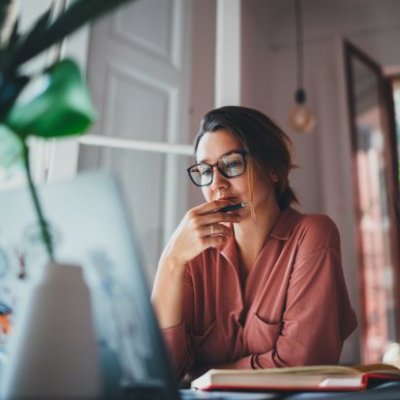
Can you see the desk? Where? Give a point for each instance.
(386, 391)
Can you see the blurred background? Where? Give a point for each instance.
(155, 67)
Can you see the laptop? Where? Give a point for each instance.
(89, 225)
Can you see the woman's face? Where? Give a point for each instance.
(212, 146)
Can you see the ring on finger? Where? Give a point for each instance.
(212, 229)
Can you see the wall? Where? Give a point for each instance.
(203, 75)
(323, 181)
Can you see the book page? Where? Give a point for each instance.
(377, 367)
(341, 382)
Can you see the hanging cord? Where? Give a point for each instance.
(302, 119)
(299, 43)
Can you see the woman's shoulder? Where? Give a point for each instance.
(317, 222)
(318, 229)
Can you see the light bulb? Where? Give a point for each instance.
(301, 117)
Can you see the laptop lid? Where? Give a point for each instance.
(89, 225)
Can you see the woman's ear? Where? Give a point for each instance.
(274, 178)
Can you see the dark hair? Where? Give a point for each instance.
(265, 142)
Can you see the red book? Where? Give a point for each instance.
(312, 378)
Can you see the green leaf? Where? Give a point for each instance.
(8, 49)
(14, 37)
(55, 105)
(79, 13)
(4, 6)
(10, 147)
(10, 87)
(36, 32)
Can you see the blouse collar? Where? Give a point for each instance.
(285, 224)
(282, 230)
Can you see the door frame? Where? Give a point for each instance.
(391, 157)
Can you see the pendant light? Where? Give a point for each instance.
(302, 119)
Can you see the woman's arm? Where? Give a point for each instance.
(200, 229)
(177, 337)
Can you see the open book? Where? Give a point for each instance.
(312, 378)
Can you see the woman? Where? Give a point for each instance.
(258, 287)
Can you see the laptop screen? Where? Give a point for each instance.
(89, 225)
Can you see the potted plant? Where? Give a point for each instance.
(52, 104)
(63, 108)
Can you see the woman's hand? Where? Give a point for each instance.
(202, 227)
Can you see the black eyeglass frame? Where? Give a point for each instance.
(242, 152)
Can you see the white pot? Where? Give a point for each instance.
(53, 350)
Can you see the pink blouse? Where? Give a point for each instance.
(293, 309)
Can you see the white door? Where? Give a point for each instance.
(138, 73)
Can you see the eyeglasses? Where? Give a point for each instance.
(230, 165)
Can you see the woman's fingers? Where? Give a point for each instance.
(211, 207)
(215, 230)
(202, 227)
(217, 241)
(207, 214)
(217, 217)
